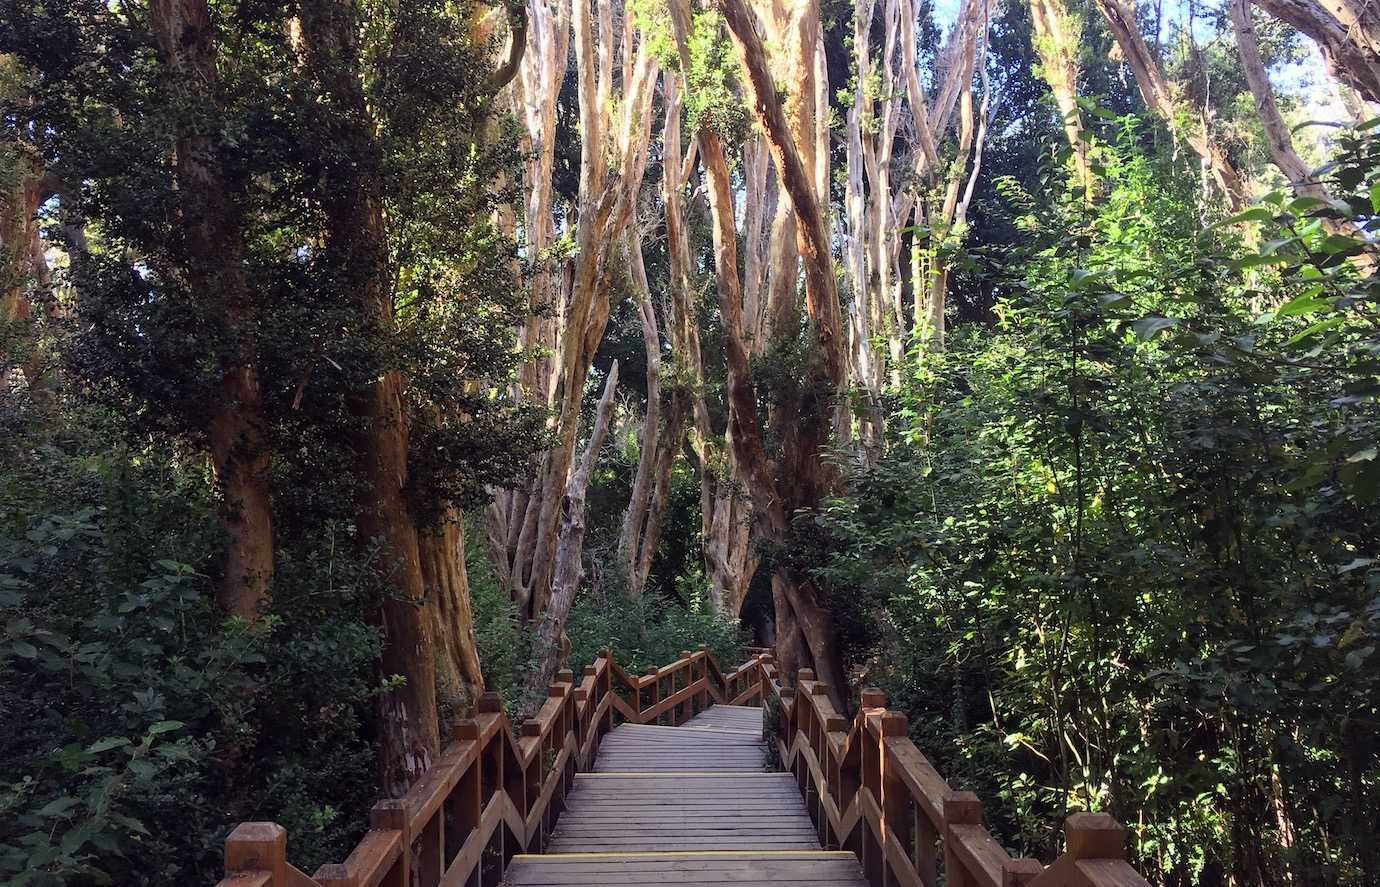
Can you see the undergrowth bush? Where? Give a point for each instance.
(139, 724)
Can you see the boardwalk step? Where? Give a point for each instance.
(753, 868)
(685, 805)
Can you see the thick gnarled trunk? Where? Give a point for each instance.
(459, 678)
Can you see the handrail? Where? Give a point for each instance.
(869, 789)
(453, 826)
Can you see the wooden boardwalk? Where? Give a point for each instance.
(685, 805)
(594, 791)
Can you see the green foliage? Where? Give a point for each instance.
(153, 348)
(648, 631)
(710, 97)
(504, 648)
(1106, 567)
(139, 724)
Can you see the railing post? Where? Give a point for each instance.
(591, 704)
(683, 710)
(704, 673)
(652, 672)
(258, 847)
(897, 812)
(1094, 836)
(1019, 872)
(960, 808)
(392, 815)
(466, 799)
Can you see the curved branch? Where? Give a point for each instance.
(517, 44)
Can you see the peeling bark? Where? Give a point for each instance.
(524, 528)
(801, 474)
(546, 646)
(725, 509)
(1056, 42)
(459, 678)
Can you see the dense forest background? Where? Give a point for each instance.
(1020, 359)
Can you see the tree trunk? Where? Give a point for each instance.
(459, 679)
(356, 239)
(1057, 43)
(23, 270)
(1155, 91)
(1276, 130)
(215, 253)
(801, 474)
(525, 529)
(546, 645)
(725, 511)
(1349, 56)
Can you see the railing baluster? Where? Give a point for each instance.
(654, 694)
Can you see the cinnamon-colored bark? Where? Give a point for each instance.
(459, 679)
(1350, 55)
(356, 240)
(524, 530)
(1056, 42)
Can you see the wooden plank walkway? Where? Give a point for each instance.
(686, 805)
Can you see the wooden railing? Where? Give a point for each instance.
(492, 794)
(870, 790)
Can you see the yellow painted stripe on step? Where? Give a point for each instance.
(688, 854)
(679, 774)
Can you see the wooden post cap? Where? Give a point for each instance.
(1094, 836)
(606, 653)
(556, 691)
(389, 814)
(835, 724)
(684, 654)
(962, 808)
(580, 694)
(591, 671)
(565, 676)
(491, 703)
(466, 729)
(894, 724)
(258, 847)
(531, 727)
(704, 647)
(873, 698)
(819, 688)
(651, 670)
(1019, 872)
(805, 674)
(787, 692)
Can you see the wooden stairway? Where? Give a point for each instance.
(662, 778)
(693, 804)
